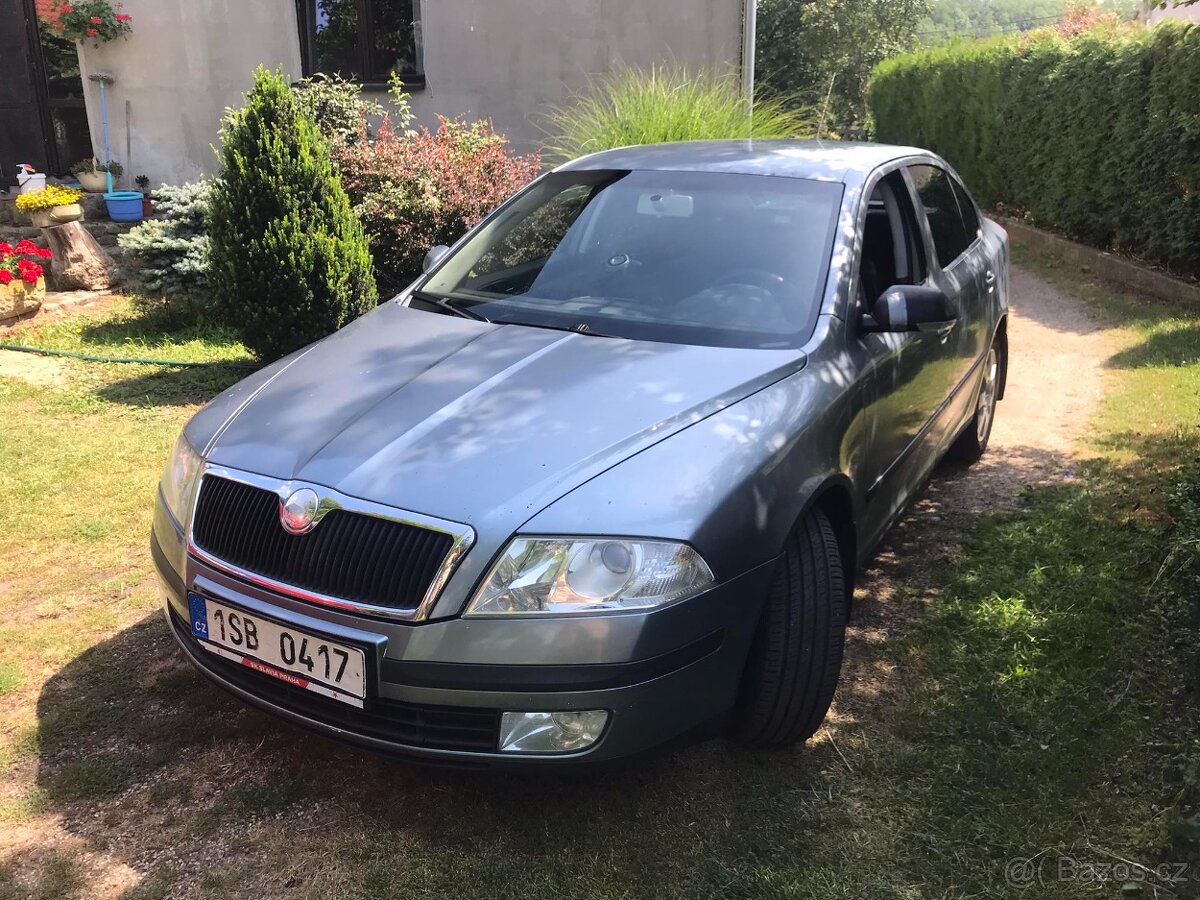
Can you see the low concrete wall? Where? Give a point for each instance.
(1107, 266)
(184, 64)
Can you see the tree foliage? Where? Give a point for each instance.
(290, 261)
(413, 190)
(336, 105)
(820, 53)
(1094, 135)
(951, 20)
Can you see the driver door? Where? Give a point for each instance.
(907, 375)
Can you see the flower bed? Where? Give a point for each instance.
(22, 278)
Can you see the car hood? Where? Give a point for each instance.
(475, 422)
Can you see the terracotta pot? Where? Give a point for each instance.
(19, 298)
(94, 182)
(147, 207)
(68, 212)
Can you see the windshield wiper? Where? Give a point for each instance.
(448, 306)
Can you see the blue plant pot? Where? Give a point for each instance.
(124, 206)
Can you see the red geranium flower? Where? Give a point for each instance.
(92, 32)
(30, 276)
(27, 246)
(67, 9)
(123, 17)
(6, 277)
(6, 248)
(96, 20)
(46, 253)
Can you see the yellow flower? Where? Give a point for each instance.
(50, 196)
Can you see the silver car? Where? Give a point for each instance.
(602, 477)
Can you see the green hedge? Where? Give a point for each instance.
(1096, 136)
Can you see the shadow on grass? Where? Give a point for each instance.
(1178, 346)
(174, 386)
(154, 322)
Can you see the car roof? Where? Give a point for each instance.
(843, 161)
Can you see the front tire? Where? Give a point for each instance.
(796, 658)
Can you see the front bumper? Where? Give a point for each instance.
(440, 686)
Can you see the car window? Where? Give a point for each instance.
(966, 206)
(711, 258)
(892, 248)
(936, 193)
(535, 237)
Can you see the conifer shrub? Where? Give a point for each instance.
(169, 253)
(290, 261)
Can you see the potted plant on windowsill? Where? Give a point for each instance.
(22, 279)
(52, 205)
(93, 174)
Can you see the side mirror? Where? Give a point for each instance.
(434, 256)
(909, 307)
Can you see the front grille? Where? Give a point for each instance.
(350, 556)
(409, 724)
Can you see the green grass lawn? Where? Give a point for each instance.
(1037, 699)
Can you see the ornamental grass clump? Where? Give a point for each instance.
(666, 103)
(290, 262)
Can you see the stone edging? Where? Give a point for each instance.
(1108, 266)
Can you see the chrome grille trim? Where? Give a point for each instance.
(463, 537)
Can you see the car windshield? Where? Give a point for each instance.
(685, 257)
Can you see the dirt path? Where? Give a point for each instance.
(1058, 348)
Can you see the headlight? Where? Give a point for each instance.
(570, 575)
(180, 479)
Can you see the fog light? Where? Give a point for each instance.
(551, 732)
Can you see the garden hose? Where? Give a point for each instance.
(88, 357)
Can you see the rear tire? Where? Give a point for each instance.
(796, 658)
(972, 443)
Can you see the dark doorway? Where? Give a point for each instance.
(24, 119)
(43, 120)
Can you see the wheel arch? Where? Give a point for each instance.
(835, 498)
(1001, 339)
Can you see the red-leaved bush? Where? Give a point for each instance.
(415, 189)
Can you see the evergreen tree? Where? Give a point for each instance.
(290, 262)
(171, 249)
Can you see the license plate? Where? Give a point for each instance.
(297, 657)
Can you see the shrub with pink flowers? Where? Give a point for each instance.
(414, 189)
(21, 262)
(98, 21)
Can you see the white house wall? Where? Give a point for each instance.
(507, 60)
(184, 64)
